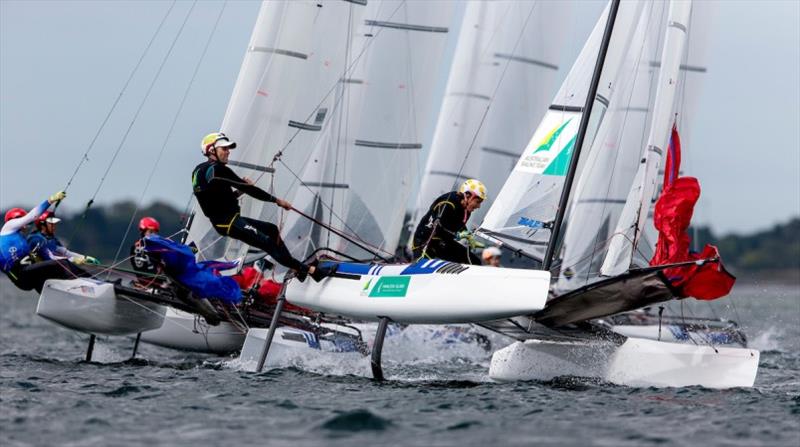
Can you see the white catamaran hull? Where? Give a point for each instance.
(636, 362)
(93, 307)
(428, 292)
(187, 332)
(288, 345)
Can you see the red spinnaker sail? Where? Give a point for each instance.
(673, 214)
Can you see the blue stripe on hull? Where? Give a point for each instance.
(421, 267)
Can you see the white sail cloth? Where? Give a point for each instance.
(637, 206)
(501, 81)
(387, 105)
(529, 197)
(280, 101)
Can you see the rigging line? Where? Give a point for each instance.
(494, 93)
(144, 100)
(172, 126)
(333, 88)
(135, 117)
(634, 70)
(461, 99)
(482, 121)
(277, 156)
(351, 237)
(85, 156)
(483, 118)
(550, 251)
(583, 258)
(343, 235)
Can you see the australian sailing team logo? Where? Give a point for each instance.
(551, 147)
(387, 287)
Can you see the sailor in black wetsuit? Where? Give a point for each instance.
(218, 188)
(446, 221)
(141, 261)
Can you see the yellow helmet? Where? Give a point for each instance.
(216, 139)
(475, 187)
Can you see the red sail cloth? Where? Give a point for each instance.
(266, 290)
(673, 214)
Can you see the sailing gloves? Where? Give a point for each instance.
(468, 239)
(57, 197)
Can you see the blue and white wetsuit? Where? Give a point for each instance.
(14, 248)
(45, 248)
(15, 259)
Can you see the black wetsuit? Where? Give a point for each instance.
(442, 244)
(214, 185)
(32, 276)
(143, 262)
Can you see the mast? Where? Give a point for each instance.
(573, 163)
(638, 203)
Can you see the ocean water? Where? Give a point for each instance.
(435, 395)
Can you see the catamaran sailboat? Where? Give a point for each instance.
(617, 104)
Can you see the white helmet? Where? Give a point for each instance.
(475, 187)
(491, 252)
(216, 139)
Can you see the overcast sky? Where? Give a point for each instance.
(63, 64)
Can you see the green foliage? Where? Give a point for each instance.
(777, 248)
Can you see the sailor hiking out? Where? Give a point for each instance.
(445, 223)
(217, 189)
(141, 261)
(15, 251)
(45, 246)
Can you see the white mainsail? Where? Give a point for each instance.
(637, 207)
(502, 78)
(281, 100)
(386, 109)
(610, 161)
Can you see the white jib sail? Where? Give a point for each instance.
(530, 195)
(637, 206)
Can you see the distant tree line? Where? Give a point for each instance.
(777, 248)
(100, 230)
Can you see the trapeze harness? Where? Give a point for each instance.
(48, 248)
(15, 256)
(214, 185)
(440, 237)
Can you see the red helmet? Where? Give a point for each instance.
(148, 223)
(14, 213)
(42, 218)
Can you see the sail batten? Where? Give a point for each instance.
(503, 77)
(406, 26)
